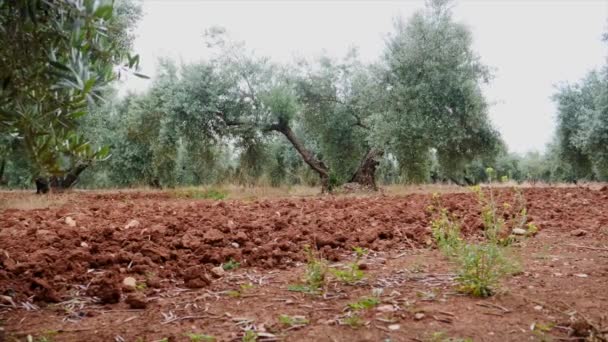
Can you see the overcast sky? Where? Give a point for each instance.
(531, 45)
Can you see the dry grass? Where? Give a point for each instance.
(29, 201)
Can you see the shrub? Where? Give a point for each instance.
(481, 267)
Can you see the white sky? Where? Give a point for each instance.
(532, 45)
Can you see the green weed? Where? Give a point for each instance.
(250, 336)
(291, 321)
(231, 265)
(315, 274)
(195, 337)
(354, 321)
(201, 194)
(481, 267)
(364, 303)
(352, 273)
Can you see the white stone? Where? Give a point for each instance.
(132, 224)
(519, 231)
(394, 327)
(130, 282)
(70, 222)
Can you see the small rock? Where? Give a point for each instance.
(218, 272)
(132, 224)
(519, 231)
(363, 266)
(153, 282)
(235, 245)
(538, 308)
(394, 327)
(557, 274)
(84, 245)
(581, 275)
(578, 232)
(70, 221)
(418, 316)
(130, 282)
(385, 308)
(136, 301)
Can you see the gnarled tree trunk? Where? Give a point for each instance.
(60, 183)
(366, 173)
(309, 158)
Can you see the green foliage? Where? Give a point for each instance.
(480, 268)
(445, 228)
(434, 108)
(364, 303)
(61, 58)
(197, 337)
(315, 274)
(201, 194)
(352, 273)
(231, 265)
(250, 336)
(291, 321)
(354, 321)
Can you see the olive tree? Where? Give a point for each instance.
(56, 60)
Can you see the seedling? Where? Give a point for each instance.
(195, 337)
(352, 273)
(364, 303)
(291, 321)
(231, 265)
(314, 276)
(250, 336)
(354, 321)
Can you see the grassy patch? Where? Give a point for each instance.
(364, 303)
(196, 337)
(195, 193)
(291, 321)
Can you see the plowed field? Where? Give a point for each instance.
(63, 269)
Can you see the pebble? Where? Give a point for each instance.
(385, 308)
(519, 231)
(84, 245)
(70, 221)
(418, 316)
(581, 275)
(132, 224)
(129, 282)
(218, 271)
(538, 308)
(394, 327)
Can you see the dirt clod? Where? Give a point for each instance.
(136, 300)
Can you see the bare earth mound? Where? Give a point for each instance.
(63, 269)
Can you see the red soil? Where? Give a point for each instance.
(173, 243)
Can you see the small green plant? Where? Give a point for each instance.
(352, 273)
(364, 303)
(250, 336)
(315, 274)
(480, 268)
(141, 287)
(233, 293)
(196, 337)
(231, 265)
(440, 336)
(164, 339)
(445, 228)
(354, 321)
(292, 321)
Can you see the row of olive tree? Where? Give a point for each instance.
(417, 112)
